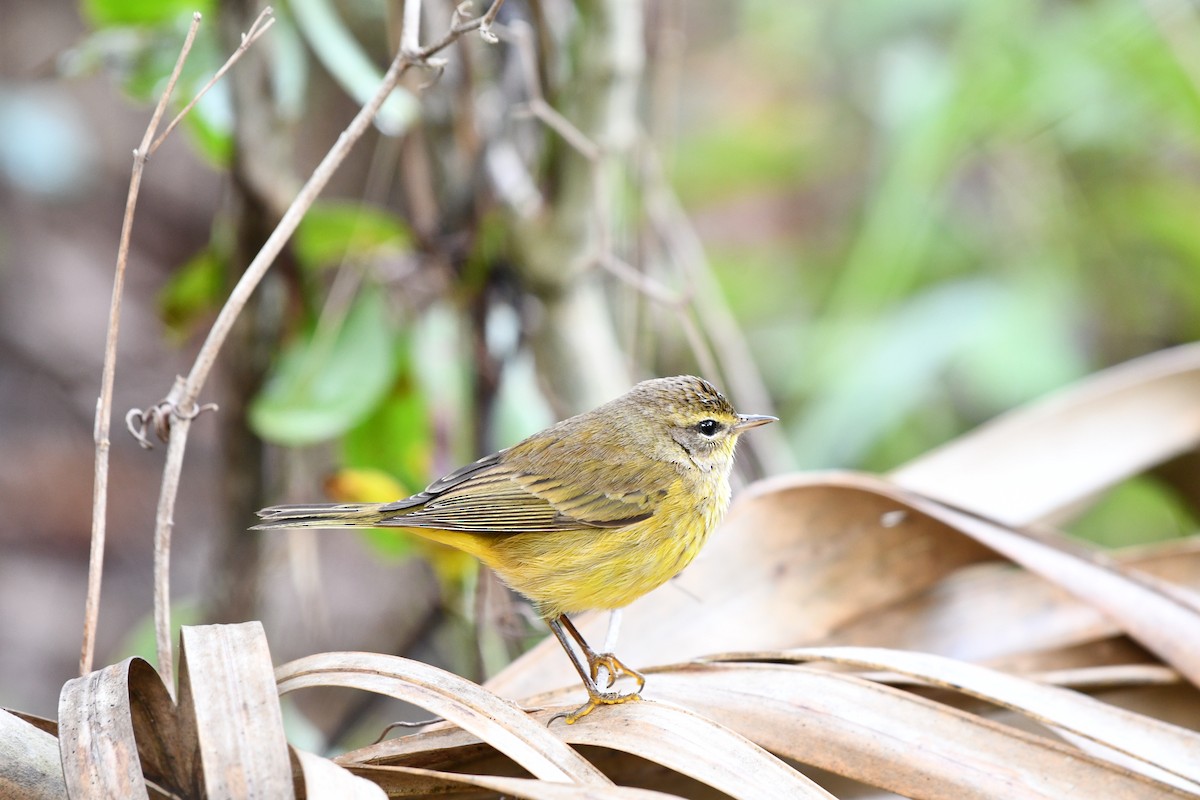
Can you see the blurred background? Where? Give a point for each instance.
(885, 222)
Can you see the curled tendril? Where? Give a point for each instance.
(157, 418)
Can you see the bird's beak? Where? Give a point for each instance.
(747, 421)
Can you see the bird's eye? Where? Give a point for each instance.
(708, 427)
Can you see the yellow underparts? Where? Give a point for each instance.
(565, 572)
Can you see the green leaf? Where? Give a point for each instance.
(193, 291)
(322, 387)
(102, 13)
(333, 231)
(397, 438)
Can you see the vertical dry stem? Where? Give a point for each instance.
(182, 403)
(103, 424)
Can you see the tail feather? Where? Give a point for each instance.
(320, 515)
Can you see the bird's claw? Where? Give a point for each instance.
(613, 668)
(595, 700)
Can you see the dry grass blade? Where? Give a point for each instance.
(1163, 751)
(227, 680)
(895, 740)
(1044, 458)
(30, 766)
(456, 699)
(320, 777)
(415, 782)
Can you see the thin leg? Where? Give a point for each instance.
(595, 660)
(563, 627)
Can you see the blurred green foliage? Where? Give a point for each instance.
(973, 203)
(330, 379)
(922, 213)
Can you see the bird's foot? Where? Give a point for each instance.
(594, 700)
(614, 669)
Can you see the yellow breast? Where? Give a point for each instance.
(564, 572)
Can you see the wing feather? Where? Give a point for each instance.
(537, 485)
(492, 498)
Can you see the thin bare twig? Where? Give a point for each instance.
(643, 283)
(184, 400)
(261, 24)
(103, 424)
(732, 350)
(679, 303)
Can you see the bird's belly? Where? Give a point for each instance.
(570, 571)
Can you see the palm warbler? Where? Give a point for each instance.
(591, 513)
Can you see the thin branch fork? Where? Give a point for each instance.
(182, 408)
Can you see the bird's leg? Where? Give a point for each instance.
(563, 627)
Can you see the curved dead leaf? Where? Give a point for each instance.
(1013, 618)
(686, 742)
(892, 739)
(415, 782)
(840, 723)
(451, 697)
(662, 733)
(96, 731)
(1162, 621)
(30, 766)
(1043, 459)
(227, 681)
(323, 778)
(1113, 676)
(119, 727)
(1165, 752)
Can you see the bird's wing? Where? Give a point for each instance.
(493, 496)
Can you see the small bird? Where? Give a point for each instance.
(589, 514)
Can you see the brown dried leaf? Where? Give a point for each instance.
(228, 682)
(318, 778)
(665, 734)
(865, 731)
(415, 782)
(95, 732)
(451, 697)
(1043, 459)
(1012, 617)
(892, 739)
(1161, 619)
(119, 724)
(30, 766)
(1165, 752)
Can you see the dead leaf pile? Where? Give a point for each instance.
(926, 634)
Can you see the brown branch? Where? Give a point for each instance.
(184, 401)
(261, 24)
(103, 424)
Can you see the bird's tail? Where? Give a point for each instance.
(322, 515)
